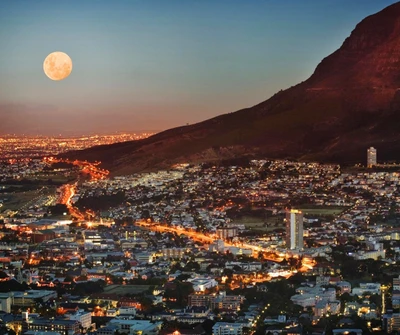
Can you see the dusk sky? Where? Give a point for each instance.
(155, 64)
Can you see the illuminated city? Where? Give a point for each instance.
(206, 167)
(218, 229)
(16, 147)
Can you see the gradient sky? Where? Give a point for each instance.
(156, 64)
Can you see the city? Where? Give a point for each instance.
(206, 167)
(200, 245)
(17, 147)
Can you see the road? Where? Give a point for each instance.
(69, 190)
(92, 169)
(307, 264)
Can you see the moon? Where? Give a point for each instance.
(57, 65)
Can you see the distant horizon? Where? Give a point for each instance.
(159, 64)
(79, 134)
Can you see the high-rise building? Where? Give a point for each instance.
(396, 293)
(173, 253)
(391, 322)
(226, 233)
(371, 157)
(396, 284)
(294, 229)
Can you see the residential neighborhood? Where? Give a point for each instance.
(255, 247)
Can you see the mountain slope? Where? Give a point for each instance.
(350, 102)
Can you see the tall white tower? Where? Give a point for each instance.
(294, 229)
(371, 157)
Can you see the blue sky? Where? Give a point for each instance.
(155, 64)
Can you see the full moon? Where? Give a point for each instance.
(57, 65)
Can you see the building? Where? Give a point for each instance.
(127, 302)
(93, 240)
(107, 330)
(39, 236)
(245, 266)
(145, 257)
(391, 322)
(200, 284)
(225, 302)
(198, 330)
(64, 327)
(174, 253)
(133, 327)
(227, 233)
(225, 328)
(199, 299)
(347, 331)
(372, 288)
(29, 298)
(5, 302)
(396, 284)
(371, 157)
(84, 318)
(221, 301)
(374, 254)
(294, 229)
(344, 286)
(34, 332)
(217, 246)
(396, 293)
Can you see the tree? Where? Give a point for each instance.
(180, 293)
(390, 253)
(192, 266)
(58, 209)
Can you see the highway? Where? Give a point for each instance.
(69, 190)
(306, 264)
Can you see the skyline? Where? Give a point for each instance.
(156, 65)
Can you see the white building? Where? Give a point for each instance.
(85, 318)
(374, 254)
(127, 311)
(202, 283)
(225, 328)
(5, 302)
(93, 240)
(246, 266)
(371, 157)
(294, 229)
(145, 257)
(217, 246)
(372, 288)
(304, 300)
(396, 284)
(226, 233)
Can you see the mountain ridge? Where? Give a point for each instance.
(349, 103)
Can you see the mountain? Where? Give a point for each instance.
(349, 103)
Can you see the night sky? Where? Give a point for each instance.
(155, 64)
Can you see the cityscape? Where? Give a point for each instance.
(239, 247)
(207, 167)
(22, 147)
